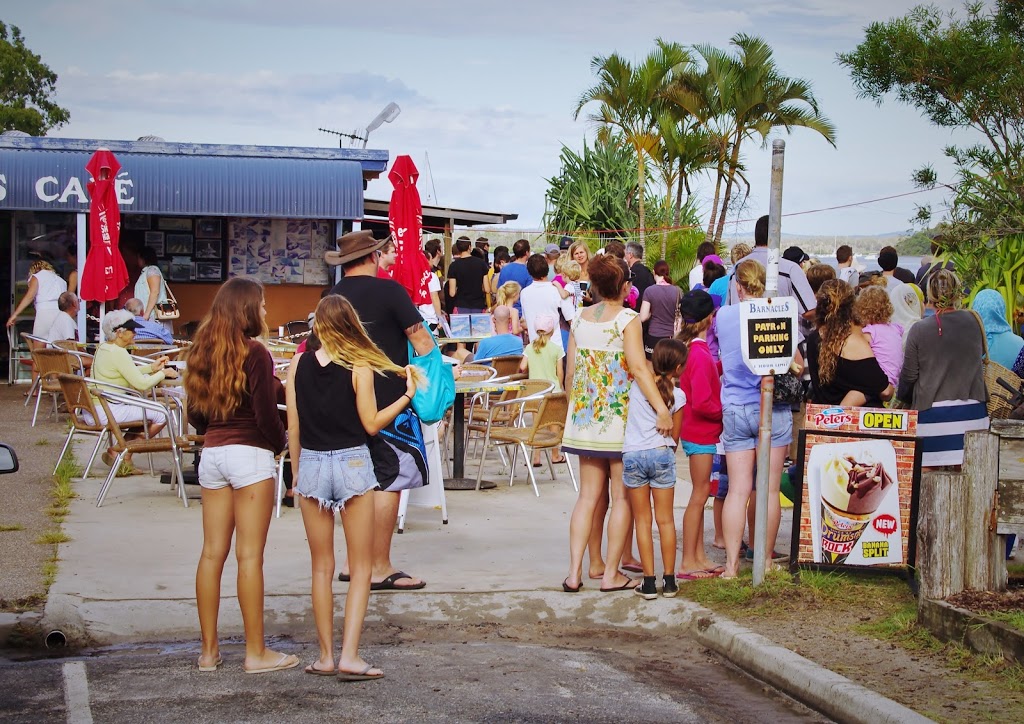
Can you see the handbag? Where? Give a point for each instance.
(432, 399)
(998, 405)
(789, 389)
(168, 309)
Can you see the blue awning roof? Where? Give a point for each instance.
(191, 179)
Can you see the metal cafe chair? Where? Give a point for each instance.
(544, 432)
(122, 447)
(80, 400)
(48, 364)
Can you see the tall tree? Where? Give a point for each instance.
(740, 97)
(630, 98)
(961, 72)
(26, 87)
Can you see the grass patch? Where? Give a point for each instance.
(10, 527)
(1010, 618)
(53, 537)
(42, 442)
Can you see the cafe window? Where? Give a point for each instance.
(45, 235)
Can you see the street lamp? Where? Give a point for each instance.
(390, 113)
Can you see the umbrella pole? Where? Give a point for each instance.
(80, 232)
(99, 333)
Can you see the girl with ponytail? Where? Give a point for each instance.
(649, 466)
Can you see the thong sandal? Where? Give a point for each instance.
(389, 584)
(569, 589)
(624, 587)
(363, 675)
(207, 669)
(287, 661)
(311, 669)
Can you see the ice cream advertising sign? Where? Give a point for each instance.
(858, 504)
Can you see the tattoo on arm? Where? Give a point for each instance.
(410, 331)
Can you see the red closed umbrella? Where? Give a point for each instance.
(405, 217)
(104, 275)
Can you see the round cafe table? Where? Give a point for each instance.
(458, 481)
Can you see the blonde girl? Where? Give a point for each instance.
(508, 295)
(331, 411)
(44, 288)
(649, 466)
(544, 361)
(873, 309)
(579, 252)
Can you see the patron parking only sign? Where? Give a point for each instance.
(769, 334)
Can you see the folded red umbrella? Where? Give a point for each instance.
(405, 217)
(104, 275)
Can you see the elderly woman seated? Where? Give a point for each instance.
(113, 364)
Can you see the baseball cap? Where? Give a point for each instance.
(795, 254)
(128, 324)
(552, 249)
(696, 306)
(545, 323)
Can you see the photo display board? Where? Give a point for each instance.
(858, 505)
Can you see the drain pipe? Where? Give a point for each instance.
(55, 640)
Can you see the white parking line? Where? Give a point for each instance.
(76, 693)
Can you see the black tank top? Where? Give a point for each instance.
(326, 401)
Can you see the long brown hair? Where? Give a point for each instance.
(669, 354)
(214, 379)
(835, 322)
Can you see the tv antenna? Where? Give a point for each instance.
(388, 114)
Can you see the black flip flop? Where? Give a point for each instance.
(624, 587)
(569, 589)
(388, 584)
(345, 578)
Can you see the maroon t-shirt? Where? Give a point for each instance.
(256, 421)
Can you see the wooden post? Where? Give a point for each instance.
(981, 468)
(940, 534)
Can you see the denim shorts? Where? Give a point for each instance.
(740, 423)
(235, 465)
(655, 467)
(332, 477)
(692, 448)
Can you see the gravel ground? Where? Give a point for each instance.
(26, 496)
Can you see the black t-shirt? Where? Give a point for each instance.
(642, 278)
(386, 311)
(468, 273)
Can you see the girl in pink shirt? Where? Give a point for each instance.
(702, 426)
(874, 312)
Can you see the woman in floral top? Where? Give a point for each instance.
(605, 351)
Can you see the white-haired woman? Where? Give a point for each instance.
(114, 365)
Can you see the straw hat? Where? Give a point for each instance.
(354, 245)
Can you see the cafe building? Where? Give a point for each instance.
(209, 211)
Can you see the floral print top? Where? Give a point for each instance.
(599, 398)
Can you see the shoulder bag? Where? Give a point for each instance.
(432, 399)
(998, 404)
(168, 309)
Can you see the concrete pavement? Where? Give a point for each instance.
(128, 576)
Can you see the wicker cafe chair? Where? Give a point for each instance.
(48, 364)
(123, 447)
(32, 344)
(505, 415)
(507, 365)
(80, 400)
(543, 433)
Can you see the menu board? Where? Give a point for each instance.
(858, 506)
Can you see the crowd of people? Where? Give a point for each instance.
(645, 365)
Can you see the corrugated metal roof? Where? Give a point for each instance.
(191, 179)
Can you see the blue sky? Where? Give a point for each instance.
(487, 89)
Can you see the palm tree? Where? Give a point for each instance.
(630, 98)
(743, 96)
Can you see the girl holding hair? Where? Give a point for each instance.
(606, 352)
(873, 310)
(44, 288)
(507, 295)
(544, 362)
(331, 411)
(701, 429)
(649, 467)
(232, 391)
